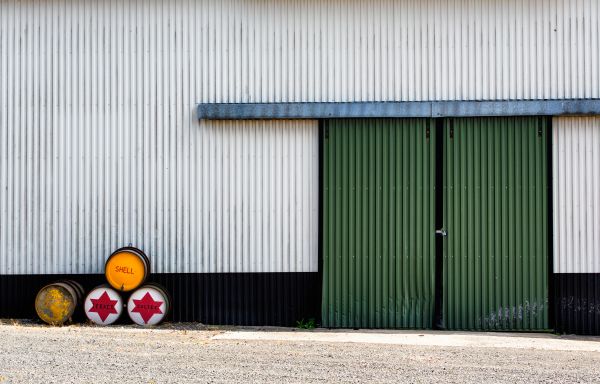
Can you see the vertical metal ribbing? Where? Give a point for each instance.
(576, 220)
(576, 189)
(378, 223)
(495, 265)
(97, 129)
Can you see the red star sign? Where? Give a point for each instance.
(147, 307)
(103, 306)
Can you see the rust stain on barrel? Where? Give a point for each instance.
(54, 305)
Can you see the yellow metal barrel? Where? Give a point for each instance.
(56, 303)
(127, 268)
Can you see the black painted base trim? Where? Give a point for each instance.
(278, 299)
(577, 303)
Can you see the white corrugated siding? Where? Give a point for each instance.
(171, 53)
(215, 197)
(576, 194)
(99, 145)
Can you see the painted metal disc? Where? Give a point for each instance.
(56, 303)
(103, 305)
(148, 305)
(126, 269)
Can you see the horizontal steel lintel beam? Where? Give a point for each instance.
(246, 111)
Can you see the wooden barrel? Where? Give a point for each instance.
(103, 305)
(126, 269)
(149, 305)
(56, 303)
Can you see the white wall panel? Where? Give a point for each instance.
(212, 197)
(576, 194)
(306, 50)
(99, 145)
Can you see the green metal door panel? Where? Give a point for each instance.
(378, 223)
(495, 211)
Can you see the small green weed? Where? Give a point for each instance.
(310, 324)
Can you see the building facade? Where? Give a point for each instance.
(372, 164)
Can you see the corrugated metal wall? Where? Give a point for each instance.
(576, 223)
(148, 56)
(97, 126)
(496, 213)
(576, 194)
(211, 197)
(378, 223)
(100, 145)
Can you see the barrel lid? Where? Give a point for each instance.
(54, 303)
(126, 270)
(147, 305)
(103, 305)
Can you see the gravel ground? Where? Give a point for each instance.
(189, 353)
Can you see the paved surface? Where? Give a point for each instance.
(194, 353)
(424, 338)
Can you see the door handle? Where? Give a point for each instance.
(441, 232)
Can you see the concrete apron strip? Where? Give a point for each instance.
(441, 339)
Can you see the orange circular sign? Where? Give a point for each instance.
(126, 269)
